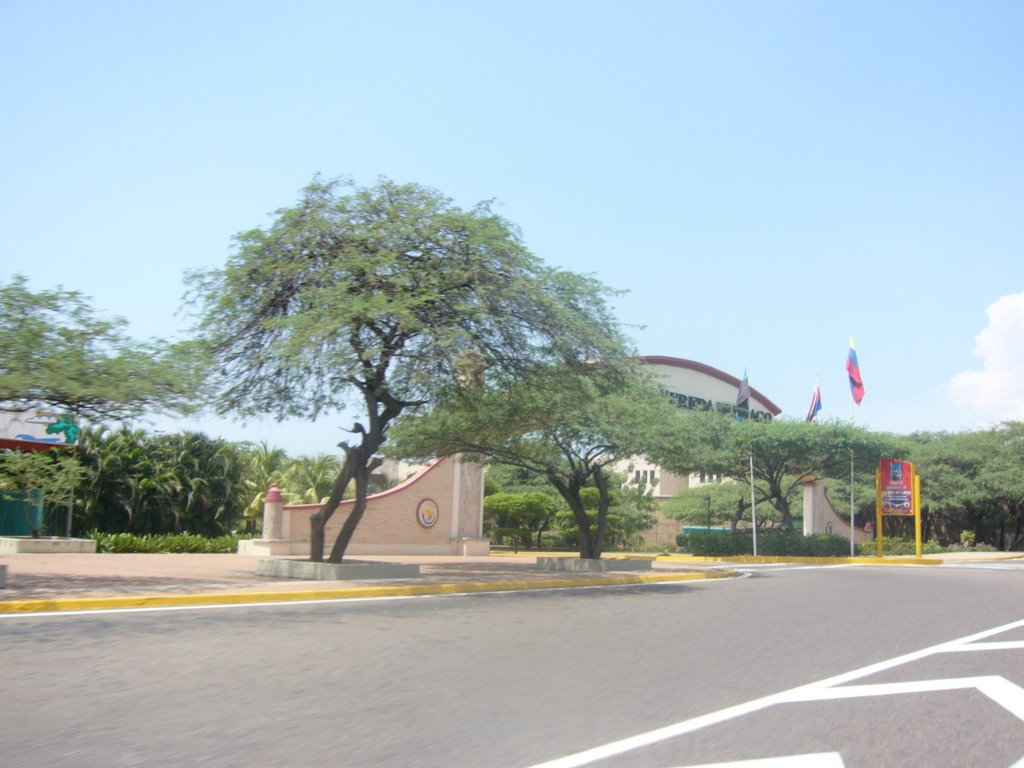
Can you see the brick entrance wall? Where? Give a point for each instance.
(447, 491)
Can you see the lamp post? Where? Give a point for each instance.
(707, 500)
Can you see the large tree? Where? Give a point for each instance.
(57, 353)
(783, 453)
(972, 482)
(388, 296)
(571, 426)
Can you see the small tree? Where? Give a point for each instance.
(519, 516)
(57, 353)
(54, 474)
(388, 296)
(569, 424)
(713, 505)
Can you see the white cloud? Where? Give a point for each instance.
(996, 392)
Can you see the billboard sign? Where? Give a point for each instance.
(897, 481)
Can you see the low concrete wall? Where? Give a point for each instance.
(591, 566)
(305, 569)
(266, 547)
(13, 545)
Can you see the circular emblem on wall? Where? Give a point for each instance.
(427, 513)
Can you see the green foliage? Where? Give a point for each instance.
(716, 505)
(392, 297)
(566, 424)
(785, 453)
(264, 466)
(506, 478)
(142, 483)
(55, 474)
(57, 353)
(715, 543)
(163, 543)
(972, 481)
(308, 479)
(520, 517)
(358, 286)
(899, 548)
(769, 544)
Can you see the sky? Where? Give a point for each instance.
(764, 179)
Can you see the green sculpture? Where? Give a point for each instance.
(65, 427)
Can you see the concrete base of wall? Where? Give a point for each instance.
(310, 571)
(472, 547)
(265, 547)
(459, 547)
(591, 566)
(48, 545)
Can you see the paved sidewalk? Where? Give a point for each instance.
(44, 582)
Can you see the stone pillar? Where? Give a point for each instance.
(468, 520)
(273, 511)
(272, 542)
(814, 502)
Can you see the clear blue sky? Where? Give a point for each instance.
(764, 178)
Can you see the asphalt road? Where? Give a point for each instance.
(734, 670)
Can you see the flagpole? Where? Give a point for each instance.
(853, 371)
(753, 501)
(852, 508)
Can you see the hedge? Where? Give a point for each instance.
(727, 544)
(164, 543)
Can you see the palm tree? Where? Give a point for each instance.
(265, 467)
(309, 478)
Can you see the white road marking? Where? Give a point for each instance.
(1008, 695)
(817, 760)
(1006, 645)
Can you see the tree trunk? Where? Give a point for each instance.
(571, 493)
(604, 501)
(358, 510)
(1015, 542)
(782, 505)
(318, 520)
(583, 523)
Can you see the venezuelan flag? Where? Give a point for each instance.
(853, 369)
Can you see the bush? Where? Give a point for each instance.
(715, 543)
(899, 547)
(771, 544)
(163, 543)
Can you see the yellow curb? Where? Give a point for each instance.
(412, 590)
(810, 560)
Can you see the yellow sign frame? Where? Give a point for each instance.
(916, 502)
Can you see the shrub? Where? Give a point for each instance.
(715, 543)
(771, 544)
(829, 545)
(899, 548)
(164, 543)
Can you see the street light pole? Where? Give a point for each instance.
(707, 500)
